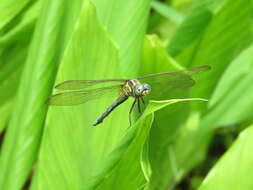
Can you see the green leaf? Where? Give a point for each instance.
(22, 31)
(207, 36)
(234, 169)
(167, 11)
(14, 47)
(122, 168)
(79, 150)
(168, 121)
(191, 28)
(173, 144)
(9, 9)
(11, 67)
(76, 146)
(127, 166)
(5, 111)
(91, 54)
(99, 39)
(126, 24)
(234, 91)
(216, 45)
(155, 58)
(36, 82)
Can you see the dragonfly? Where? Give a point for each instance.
(149, 86)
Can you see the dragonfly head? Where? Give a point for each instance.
(142, 89)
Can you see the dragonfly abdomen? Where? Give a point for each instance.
(115, 104)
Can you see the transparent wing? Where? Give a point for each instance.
(166, 88)
(86, 84)
(176, 74)
(81, 96)
(163, 84)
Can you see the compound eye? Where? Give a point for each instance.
(139, 89)
(146, 86)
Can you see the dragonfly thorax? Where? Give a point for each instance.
(137, 89)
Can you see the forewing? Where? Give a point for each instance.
(87, 84)
(176, 74)
(163, 84)
(166, 88)
(81, 96)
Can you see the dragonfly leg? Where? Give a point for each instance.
(139, 106)
(143, 102)
(131, 109)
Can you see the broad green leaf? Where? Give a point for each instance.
(217, 46)
(122, 168)
(236, 79)
(168, 121)
(126, 23)
(5, 111)
(22, 31)
(179, 153)
(190, 32)
(71, 148)
(207, 40)
(9, 9)
(14, 47)
(171, 160)
(155, 59)
(167, 12)
(234, 169)
(127, 166)
(18, 156)
(193, 26)
(76, 147)
(11, 67)
(234, 91)
(98, 39)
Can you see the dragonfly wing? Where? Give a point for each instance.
(86, 84)
(176, 74)
(81, 96)
(163, 84)
(166, 88)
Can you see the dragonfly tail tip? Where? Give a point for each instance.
(94, 123)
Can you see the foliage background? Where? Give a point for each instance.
(180, 143)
